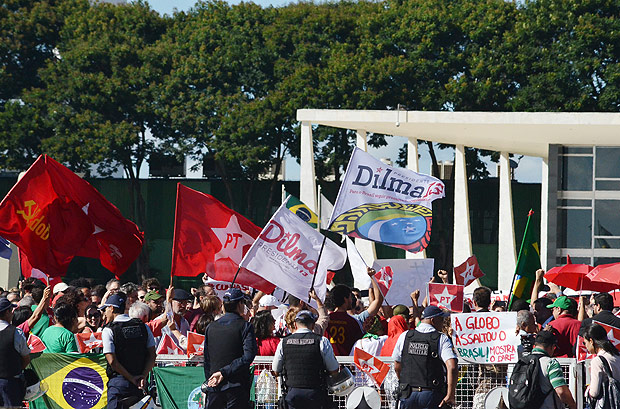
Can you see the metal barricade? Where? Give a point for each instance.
(474, 382)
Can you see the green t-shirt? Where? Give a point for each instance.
(41, 325)
(59, 339)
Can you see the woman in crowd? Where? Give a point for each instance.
(396, 326)
(211, 306)
(264, 326)
(59, 337)
(595, 339)
(79, 301)
(374, 337)
(93, 319)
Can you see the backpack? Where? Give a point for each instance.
(525, 389)
(610, 397)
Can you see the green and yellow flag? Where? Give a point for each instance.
(303, 211)
(74, 381)
(527, 264)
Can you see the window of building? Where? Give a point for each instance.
(576, 173)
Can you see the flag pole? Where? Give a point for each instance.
(319, 208)
(177, 209)
(317, 265)
(529, 216)
(235, 277)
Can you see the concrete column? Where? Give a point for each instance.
(365, 247)
(9, 270)
(462, 232)
(307, 177)
(507, 257)
(413, 164)
(544, 213)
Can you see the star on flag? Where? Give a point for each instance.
(447, 296)
(233, 240)
(87, 341)
(376, 369)
(195, 343)
(467, 272)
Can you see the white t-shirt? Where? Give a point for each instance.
(371, 345)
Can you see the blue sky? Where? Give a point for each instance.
(529, 169)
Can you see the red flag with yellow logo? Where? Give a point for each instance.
(53, 215)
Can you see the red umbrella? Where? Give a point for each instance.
(608, 274)
(576, 277)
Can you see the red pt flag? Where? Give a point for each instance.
(467, 272)
(209, 237)
(371, 365)
(87, 341)
(448, 296)
(53, 215)
(195, 343)
(384, 279)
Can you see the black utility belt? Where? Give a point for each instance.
(404, 390)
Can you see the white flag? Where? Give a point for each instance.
(361, 279)
(385, 204)
(326, 212)
(286, 254)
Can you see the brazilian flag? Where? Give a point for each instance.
(527, 264)
(74, 381)
(179, 387)
(303, 211)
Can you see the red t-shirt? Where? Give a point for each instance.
(567, 329)
(342, 331)
(267, 347)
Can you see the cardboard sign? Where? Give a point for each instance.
(409, 275)
(486, 338)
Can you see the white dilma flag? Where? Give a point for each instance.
(286, 254)
(385, 204)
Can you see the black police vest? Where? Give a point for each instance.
(421, 365)
(225, 344)
(303, 362)
(130, 338)
(10, 359)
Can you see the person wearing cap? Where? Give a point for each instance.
(176, 307)
(129, 348)
(155, 301)
(268, 302)
(425, 363)
(565, 325)
(544, 345)
(229, 349)
(14, 357)
(304, 359)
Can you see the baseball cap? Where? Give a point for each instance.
(269, 301)
(305, 315)
(180, 295)
(60, 287)
(562, 302)
(433, 311)
(116, 301)
(233, 294)
(401, 309)
(153, 295)
(5, 304)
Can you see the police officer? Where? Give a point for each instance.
(230, 348)
(14, 357)
(129, 348)
(305, 358)
(422, 359)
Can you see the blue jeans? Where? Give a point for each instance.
(422, 400)
(120, 388)
(299, 398)
(12, 392)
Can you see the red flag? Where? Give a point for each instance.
(35, 344)
(29, 271)
(87, 341)
(209, 237)
(384, 279)
(371, 365)
(582, 351)
(467, 272)
(167, 346)
(613, 334)
(195, 343)
(53, 215)
(449, 296)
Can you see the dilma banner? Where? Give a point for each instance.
(385, 204)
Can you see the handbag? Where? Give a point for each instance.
(610, 390)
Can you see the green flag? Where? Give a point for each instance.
(527, 264)
(179, 387)
(303, 211)
(74, 381)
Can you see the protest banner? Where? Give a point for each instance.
(286, 253)
(486, 338)
(385, 204)
(409, 275)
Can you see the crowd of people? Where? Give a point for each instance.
(303, 336)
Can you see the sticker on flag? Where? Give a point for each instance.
(87, 341)
(467, 272)
(35, 344)
(371, 365)
(449, 296)
(167, 346)
(384, 279)
(195, 343)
